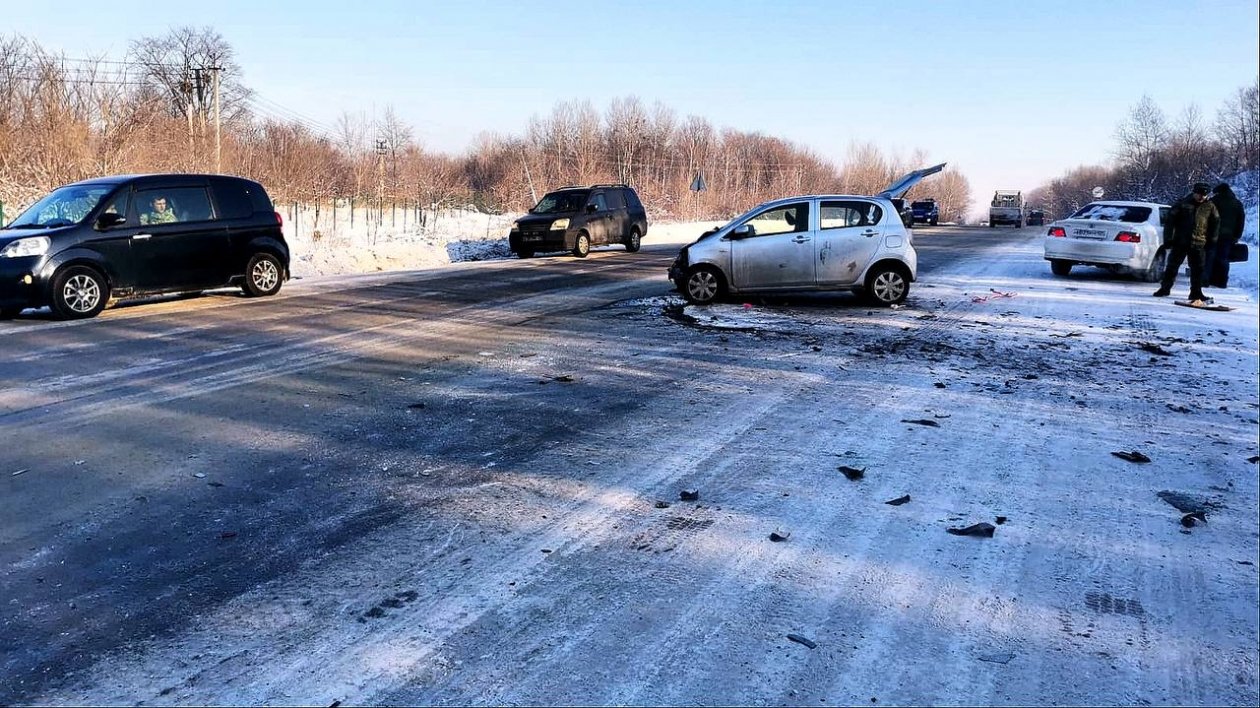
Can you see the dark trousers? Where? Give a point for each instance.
(1176, 255)
(1216, 267)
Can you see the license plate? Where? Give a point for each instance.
(1089, 233)
(533, 237)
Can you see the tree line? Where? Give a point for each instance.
(68, 119)
(1158, 158)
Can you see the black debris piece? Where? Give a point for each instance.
(899, 500)
(1187, 503)
(939, 384)
(1133, 456)
(853, 473)
(662, 505)
(997, 658)
(1175, 408)
(780, 536)
(1254, 459)
(1000, 520)
(563, 378)
(982, 529)
(804, 641)
(689, 495)
(1189, 519)
(1154, 349)
(415, 406)
(923, 421)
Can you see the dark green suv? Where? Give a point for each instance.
(576, 219)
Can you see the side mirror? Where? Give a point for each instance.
(743, 231)
(590, 208)
(108, 220)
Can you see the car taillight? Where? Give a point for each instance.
(1057, 232)
(279, 219)
(1129, 237)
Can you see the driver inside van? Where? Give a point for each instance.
(159, 214)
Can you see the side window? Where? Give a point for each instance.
(848, 214)
(1163, 215)
(782, 220)
(172, 205)
(614, 199)
(118, 204)
(232, 199)
(600, 203)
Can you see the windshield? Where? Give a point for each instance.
(1114, 212)
(63, 207)
(560, 203)
(922, 205)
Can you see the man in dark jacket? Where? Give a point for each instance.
(1216, 269)
(1191, 227)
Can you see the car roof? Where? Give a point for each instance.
(788, 200)
(151, 177)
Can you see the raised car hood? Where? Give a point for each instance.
(903, 185)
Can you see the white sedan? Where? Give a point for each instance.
(1123, 237)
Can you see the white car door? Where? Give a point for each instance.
(779, 253)
(850, 232)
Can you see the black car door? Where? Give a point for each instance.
(181, 244)
(112, 231)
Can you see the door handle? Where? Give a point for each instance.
(800, 239)
(141, 237)
(869, 234)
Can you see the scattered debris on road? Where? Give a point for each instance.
(803, 641)
(415, 406)
(899, 500)
(1254, 459)
(22, 471)
(1186, 503)
(662, 504)
(1000, 520)
(199, 475)
(1154, 348)
(922, 421)
(1177, 408)
(780, 536)
(689, 495)
(563, 378)
(997, 658)
(1189, 519)
(853, 473)
(1133, 456)
(982, 529)
(228, 534)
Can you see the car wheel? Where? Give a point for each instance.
(634, 242)
(582, 246)
(263, 275)
(932, 222)
(8, 313)
(703, 286)
(1158, 264)
(524, 254)
(1061, 268)
(79, 292)
(991, 224)
(887, 285)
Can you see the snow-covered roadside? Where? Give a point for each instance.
(341, 246)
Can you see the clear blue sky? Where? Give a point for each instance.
(1013, 93)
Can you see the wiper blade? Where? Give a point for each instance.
(24, 226)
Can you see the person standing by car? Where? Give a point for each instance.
(1216, 270)
(1192, 226)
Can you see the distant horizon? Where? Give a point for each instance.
(1012, 99)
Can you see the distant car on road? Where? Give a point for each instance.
(1007, 207)
(1036, 217)
(575, 219)
(91, 242)
(806, 243)
(904, 211)
(925, 211)
(1123, 237)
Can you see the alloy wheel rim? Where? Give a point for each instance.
(81, 293)
(265, 275)
(889, 287)
(702, 286)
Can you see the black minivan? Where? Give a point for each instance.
(576, 218)
(92, 242)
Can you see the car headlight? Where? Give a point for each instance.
(559, 224)
(36, 246)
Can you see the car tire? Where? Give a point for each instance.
(524, 254)
(8, 313)
(887, 285)
(1154, 273)
(704, 285)
(582, 246)
(263, 275)
(79, 292)
(992, 225)
(1061, 268)
(932, 222)
(634, 242)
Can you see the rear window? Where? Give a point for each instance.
(632, 199)
(1114, 212)
(234, 199)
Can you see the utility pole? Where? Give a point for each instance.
(532, 194)
(218, 147)
(380, 182)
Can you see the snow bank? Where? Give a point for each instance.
(337, 242)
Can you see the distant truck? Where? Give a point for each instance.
(1007, 208)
